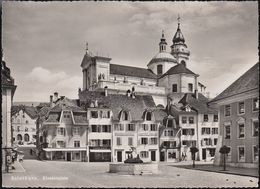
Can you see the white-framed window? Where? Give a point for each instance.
(205, 131)
(144, 141)
(215, 118)
(60, 144)
(153, 127)
(76, 130)
(229, 154)
(169, 123)
(144, 127)
(174, 88)
(205, 117)
(255, 128)
(148, 116)
(119, 127)
(130, 127)
(184, 119)
(118, 141)
(153, 141)
(227, 131)
(255, 105)
(191, 120)
(190, 87)
(188, 131)
(144, 154)
(95, 128)
(214, 131)
(76, 144)
(130, 141)
(241, 130)
(105, 128)
(241, 153)
(125, 115)
(227, 110)
(241, 107)
(168, 133)
(94, 114)
(215, 141)
(255, 153)
(61, 131)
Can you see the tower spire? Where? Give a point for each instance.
(179, 18)
(162, 44)
(86, 47)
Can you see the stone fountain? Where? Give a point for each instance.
(133, 166)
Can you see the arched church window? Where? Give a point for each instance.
(159, 69)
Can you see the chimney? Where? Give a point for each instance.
(106, 92)
(196, 94)
(51, 101)
(55, 97)
(128, 93)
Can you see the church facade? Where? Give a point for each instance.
(172, 86)
(166, 73)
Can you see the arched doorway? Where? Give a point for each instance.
(26, 138)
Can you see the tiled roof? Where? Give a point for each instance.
(180, 68)
(248, 81)
(29, 110)
(53, 117)
(80, 117)
(200, 104)
(117, 102)
(131, 71)
(159, 114)
(66, 104)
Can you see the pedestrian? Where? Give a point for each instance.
(31, 152)
(182, 156)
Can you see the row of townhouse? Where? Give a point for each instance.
(96, 128)
(108, 127)
(198, 125)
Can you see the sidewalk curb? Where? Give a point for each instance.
(224, 172)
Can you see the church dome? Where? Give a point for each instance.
(163, 57)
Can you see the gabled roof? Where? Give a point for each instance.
(248, 81)
(178, 69)
(200, 104)
(31, 111)
(131, 71)
(118, 102)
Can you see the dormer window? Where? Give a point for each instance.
(148, 116)
(124, 116)
(190, 87)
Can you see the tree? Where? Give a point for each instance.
(224, 150)
(193, 151)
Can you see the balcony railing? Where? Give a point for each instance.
(100, 147)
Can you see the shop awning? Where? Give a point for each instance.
(64, 149)
(99, 150)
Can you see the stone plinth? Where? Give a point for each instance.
(133, 169)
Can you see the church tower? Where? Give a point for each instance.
(163, 60)
(179, 49)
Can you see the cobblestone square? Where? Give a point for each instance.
(78, 174)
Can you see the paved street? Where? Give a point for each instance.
(78, 174)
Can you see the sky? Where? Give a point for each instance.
(44, 42)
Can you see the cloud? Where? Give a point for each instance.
(43, 75)
(42, 82)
